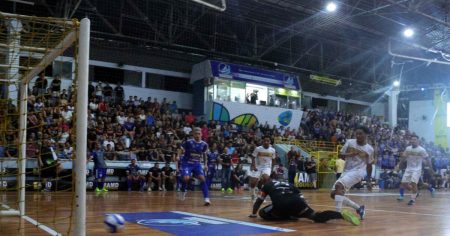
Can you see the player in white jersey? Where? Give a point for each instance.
(358, 155)
(414, 155)
(261, 165)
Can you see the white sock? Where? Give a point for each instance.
(339, 200)
(414, 196)
(350, 203)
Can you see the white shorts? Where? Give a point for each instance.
(411, 176)
(350, 178)
(261, 171)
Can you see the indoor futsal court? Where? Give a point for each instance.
(224, 117)
(385, 216)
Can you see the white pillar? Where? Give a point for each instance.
(339, 104)
(81, 116)
(392, 106)
(143, 82)
(13, 58)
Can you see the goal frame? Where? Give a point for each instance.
(83, 35)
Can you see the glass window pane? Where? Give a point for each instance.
(63, 69)
(154, 81)
(133, 78)
(108, 75)
(237, 92)
(256, 94)
(222, 90)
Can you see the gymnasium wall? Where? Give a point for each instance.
(421, 119)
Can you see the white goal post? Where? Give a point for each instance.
(12, 51)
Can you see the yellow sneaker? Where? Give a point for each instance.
(350, 217)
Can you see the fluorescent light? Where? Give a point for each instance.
(408, 32)
(331, 7)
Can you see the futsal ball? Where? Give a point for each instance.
(114, 222)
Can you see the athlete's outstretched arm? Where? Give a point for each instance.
(259, 201)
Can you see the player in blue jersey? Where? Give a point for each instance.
(213, 157)
(194, 152)
(97, 155)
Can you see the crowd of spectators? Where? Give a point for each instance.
(150, 130)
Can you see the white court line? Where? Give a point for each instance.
(382, 194)
(236, 222)
(36, 223)
(397, 212)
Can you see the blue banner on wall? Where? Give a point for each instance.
(254, 75)
(185, 224)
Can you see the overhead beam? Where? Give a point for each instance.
(145, 19)
(102, 18)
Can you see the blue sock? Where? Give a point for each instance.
(95, 183)
(183, 186)
(179, 182)
(100, 185)
(430, 189)
(402, 192)
(129, 183)
(204, 189)
(141, 184)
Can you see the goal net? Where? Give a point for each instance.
(41, 74)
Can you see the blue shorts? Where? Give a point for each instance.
(100, 173)
(211, 170)
(189, 169)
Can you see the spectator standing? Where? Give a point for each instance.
(225, 161)
(292, 156)
(119, 93)
(311, 170)
(189, 118)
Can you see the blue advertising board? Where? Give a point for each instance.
(186, 224)
(254, 75)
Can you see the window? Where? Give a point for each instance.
(222, 88)
(169, 83)
(237, 92)
(133, 78)
(108, 75)
(177, 84)
(258, 94)
(62, 68)
(154, 81)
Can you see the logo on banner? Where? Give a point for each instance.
(224, 69)
(168, 222)
(289, 81)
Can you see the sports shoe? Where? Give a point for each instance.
(207, 202)
(223, 190)
(433, 192)
(183, 195)
(411, 202)
(361, 212)
(97, 190)
(350, 217)
(149, 189)
(229, 190)
(400, 198)
(104, 190)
